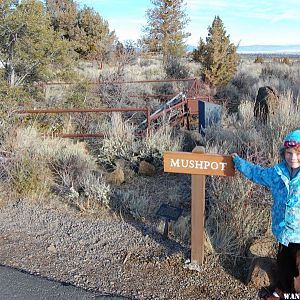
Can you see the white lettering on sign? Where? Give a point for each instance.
(197, 164)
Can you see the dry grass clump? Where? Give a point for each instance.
(237, 212)
(38, 167)
(27, 176)
(122, 142)
(159, 141)
(137, 203)
(250, 77)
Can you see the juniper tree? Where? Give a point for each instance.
(95, 40)
(63, 14)
(28, 45)
(88, 31)
(165, 31)
(217, 56)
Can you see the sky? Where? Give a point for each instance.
(247, 22)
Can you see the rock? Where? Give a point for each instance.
(146, 169)
(262, 272)
(52, 248)
(265, 247)
(116, 177)
(266, 103)
(126, 167)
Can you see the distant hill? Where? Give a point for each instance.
(263, 49)
(269, 49)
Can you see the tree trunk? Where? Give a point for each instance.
(9, 66)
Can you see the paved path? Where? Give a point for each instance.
(18, 285)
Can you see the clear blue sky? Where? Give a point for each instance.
(250, 22)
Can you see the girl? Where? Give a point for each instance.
(283, 180)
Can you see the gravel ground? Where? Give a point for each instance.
(107, 255)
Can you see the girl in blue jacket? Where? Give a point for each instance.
(283, 180)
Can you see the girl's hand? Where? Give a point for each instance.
(234, 155)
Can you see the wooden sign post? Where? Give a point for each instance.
(198, 163)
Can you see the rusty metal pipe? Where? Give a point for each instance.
(148, 81)
(120, 82)
(84, 135)
(81, 135)
(76, 110)
(151, 96)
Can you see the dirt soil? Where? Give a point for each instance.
(108, 255)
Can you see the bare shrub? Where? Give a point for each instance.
(244, 82)
(175, 69)
(159, 141)
(165, 88)
(259, 60)
(40, 166)
(137, 202)
(120, 143)
(96, 193)
(238, 211)
(277, 70)
(28, 176)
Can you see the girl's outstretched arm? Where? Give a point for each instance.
(255, 173)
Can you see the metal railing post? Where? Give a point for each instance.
(148, 120)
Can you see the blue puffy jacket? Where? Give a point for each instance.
(286, 197)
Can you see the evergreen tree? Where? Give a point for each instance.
(217, 56)
(28, 45)
(94, 40)
(85, 28)
(63, 14)
(165, 30)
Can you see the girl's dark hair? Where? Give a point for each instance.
(281, 152)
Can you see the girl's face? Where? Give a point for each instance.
(292, 158)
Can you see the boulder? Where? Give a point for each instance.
(266, 103)
(265, 247)
(262, 272)
(52, 249)
(116, 177)
(146, 169)
(126, 167)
